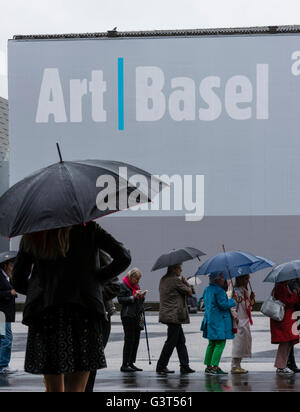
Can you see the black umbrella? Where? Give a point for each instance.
(7, 256)
(177, 256)
(69, 193)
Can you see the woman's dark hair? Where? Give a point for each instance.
(48, 244)
(172, 268)
(240, 281)
(3, 265)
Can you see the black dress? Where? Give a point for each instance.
(64, 308)
(66, 339)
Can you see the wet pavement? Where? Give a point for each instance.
(261, 376)
(113, 382)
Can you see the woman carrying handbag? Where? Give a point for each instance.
(285, 333)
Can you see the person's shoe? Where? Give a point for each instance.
(186, 369)
(8, 371)
(238, 371)
(285, 372)
(211, 371)
(126, 368)
(220, 372)
(164, 371)
(132, 366)
(294, 368)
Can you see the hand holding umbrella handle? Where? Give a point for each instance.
(252, 296)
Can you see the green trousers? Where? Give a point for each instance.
(214, 352)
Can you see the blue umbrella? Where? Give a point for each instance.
(255, 267)
(229, 263)
(283, 272)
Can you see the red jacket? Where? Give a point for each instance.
(283, 331)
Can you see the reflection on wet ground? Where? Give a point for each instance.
(261, 377)
(151, 382)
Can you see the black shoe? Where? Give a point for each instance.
(131, 365)
(126, 368)
(164, 371)
(186, 369)
(294, 368)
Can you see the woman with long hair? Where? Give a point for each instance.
(59, 272)
(242, 344)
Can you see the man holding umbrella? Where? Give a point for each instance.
(173, 307)
(7, 307)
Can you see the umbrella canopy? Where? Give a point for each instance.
(252, 268)
(223, 262)
(70, 193)
(284, 272)
(177, 256)
(7, 256)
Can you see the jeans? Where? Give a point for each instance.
(6, 346)
(176, 339)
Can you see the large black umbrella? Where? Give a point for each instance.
(177, 256)
(69, 193)
(7, 256)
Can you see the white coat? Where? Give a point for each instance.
(242, 344)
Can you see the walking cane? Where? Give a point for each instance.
(147, 340)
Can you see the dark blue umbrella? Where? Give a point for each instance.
(255, 267)
(229, 263)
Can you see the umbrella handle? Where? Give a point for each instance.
(252, 292)
(224, 250)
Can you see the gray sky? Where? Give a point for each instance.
(76, 16)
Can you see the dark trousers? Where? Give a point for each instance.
(132, 334)
(176, 339)
(106, 328)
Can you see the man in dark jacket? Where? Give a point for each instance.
(7, 310)
(111, 290)
(174, 313)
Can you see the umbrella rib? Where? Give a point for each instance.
(74, 191)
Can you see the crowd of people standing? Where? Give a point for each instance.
(70, 277)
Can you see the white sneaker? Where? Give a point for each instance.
(9, 371)
(285, 372)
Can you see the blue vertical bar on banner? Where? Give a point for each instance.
(121, 92)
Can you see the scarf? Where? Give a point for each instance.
(134, 288)
(248, 306)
